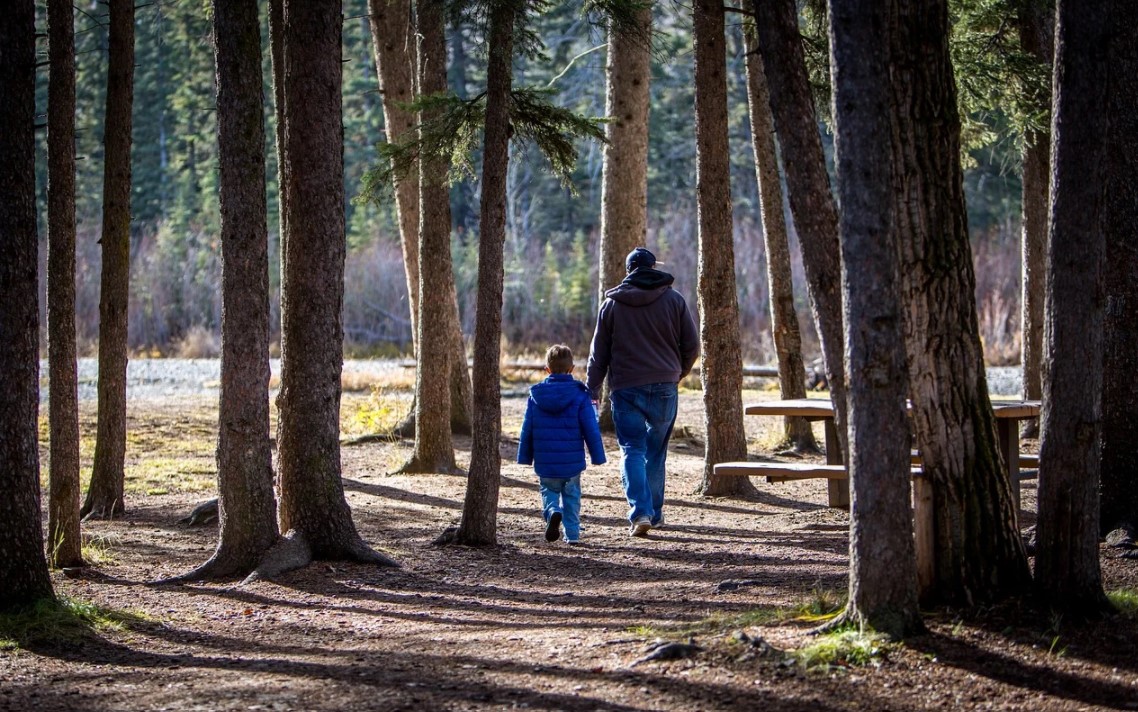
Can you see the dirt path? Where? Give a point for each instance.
(529, 624)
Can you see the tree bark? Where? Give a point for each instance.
(1119, 500)
(393, 43)
(434, 449)
(65, 546)
(721, 358)
(276, 53)
(624, 176)
(1067, 573)
(480, 507)
(978, 553)
(312, 503)
(883, 570)
(23, 567)
(1036, 32)
(105, 494)
(393, 38)
(247, 506)
(808, 185)
(784, 319)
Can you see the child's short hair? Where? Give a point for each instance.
(559, 359)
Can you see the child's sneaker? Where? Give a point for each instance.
(553, 527)
(573, 542)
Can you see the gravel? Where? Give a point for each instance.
(163, 378)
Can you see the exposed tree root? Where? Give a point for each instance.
(447, 536)
(415, 466)
(204, 513)
(735, 487)
(895, 627)
(293, 551)
(222, 566)
(406, 429)
(100, 509)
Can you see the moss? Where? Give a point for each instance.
(61, 621)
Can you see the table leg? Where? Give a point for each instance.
(1008, 432)
(839, 490)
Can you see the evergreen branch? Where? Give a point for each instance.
(620, 16)
(553, 129)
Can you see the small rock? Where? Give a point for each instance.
(1122, 538)
(734, 585)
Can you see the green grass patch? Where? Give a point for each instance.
(62, 620)
(843, 649)
(379, 412)
(98, 549)
(164, 474)
(1126, 601)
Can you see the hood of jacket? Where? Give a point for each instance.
(642, 287)
(557, 392)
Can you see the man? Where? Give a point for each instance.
(645, 342)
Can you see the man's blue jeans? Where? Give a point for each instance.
(644, 416)
(562, 494)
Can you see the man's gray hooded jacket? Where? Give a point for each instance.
(645, 334)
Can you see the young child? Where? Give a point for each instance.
(559, 422)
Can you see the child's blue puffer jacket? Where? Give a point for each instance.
(559, 422)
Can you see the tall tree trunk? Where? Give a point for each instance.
(784, 319)
(105, 494)
(480, 507)
(807, 184)
(393, 42)
(883, 567)
(978, 554)
(1037, 37)
(246, 503)
(393, 39)
(312, 504)
(1067, 573)
(65, 547)
(23, 568)
(1119, 500)
(721, 360)
(276, 55)
(434, 450)
(624, 182)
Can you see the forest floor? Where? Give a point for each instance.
(525, 624)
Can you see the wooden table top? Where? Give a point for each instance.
(824, 408)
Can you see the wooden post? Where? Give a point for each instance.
(839, 490)
(923, 533)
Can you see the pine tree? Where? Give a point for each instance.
(105, 495)
(63, 503)
(23, 567)
(721, 359)
(883, 581)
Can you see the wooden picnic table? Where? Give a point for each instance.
(1008, 414)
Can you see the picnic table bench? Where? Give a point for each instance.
(1008, 415)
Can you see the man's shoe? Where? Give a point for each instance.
(553, 527)
(640, 527)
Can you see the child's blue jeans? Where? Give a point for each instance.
(563, 494)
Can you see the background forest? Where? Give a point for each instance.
(552, 232)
